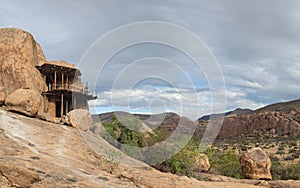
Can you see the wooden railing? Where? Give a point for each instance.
(69, 87)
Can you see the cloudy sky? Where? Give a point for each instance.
(256, 44)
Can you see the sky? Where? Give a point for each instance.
(256, 45)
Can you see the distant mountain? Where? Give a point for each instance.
(284, 107)
(106, 117)
(150, 118)
(277, 119)
(167, 122)
(238, 111)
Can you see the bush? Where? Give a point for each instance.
(281, 172)
(226, 164)
(118, 134)
(280, 152)
(183, 162)
(294, 143)
(281, 148)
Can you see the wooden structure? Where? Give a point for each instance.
(64, 91)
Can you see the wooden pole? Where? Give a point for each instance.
(67, 107)
(62, 105)
(67, 82)
(55, 79)
(74, 105)
(62, 80)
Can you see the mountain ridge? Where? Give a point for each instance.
(280, 118)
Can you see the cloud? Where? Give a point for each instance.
(255, 43)
(158, 100)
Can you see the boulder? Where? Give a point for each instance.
(201, 163)
(25, 101)
(97, 128)
(256, 164)
(80, 119)
(19, 54)
(2, 96)
(45, 116)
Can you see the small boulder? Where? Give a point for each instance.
(2, 96)
(256, 164)
(25, 101)
(97, 128)
(80, 119)
(45, 116)
(201, 163)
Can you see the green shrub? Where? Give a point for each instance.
(119, 132)
(294, 143)
(226, 163)
(281, 172)
(280, 152)
(281, 148)
(183, 162)
(176, 165)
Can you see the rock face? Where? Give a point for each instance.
(80, 119)
(274, 120)
(284, 124)
(201, 163)
(256, 164)
(266, 123)
(18, 177)
(19, 54)
(25, 101)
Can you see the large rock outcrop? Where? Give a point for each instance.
(282, 123)
(256, 164)
(80, 119)
(25, 101)
(264, 123)
(19, 54)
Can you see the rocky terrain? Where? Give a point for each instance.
(278, 119)
(47, 152)
(36, 153)
(274, 128)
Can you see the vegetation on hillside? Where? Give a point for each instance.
(223, 157)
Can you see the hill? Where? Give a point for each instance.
(278, 119)
(283, 107)
(238, 111)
